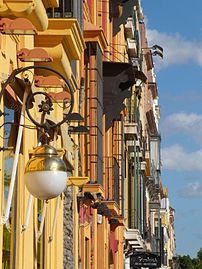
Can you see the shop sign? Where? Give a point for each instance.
(144, 259)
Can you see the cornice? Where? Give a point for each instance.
(93, 33)
(51, 3)
(65, 31)
(32, 9)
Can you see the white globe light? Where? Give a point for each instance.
(45, 173)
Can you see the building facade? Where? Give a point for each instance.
(114, 211)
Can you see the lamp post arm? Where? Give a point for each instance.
(54, 221)
(42, 220)
(15, 161)
(24, 227)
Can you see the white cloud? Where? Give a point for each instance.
(177, 50)
(181, 122)
(191, 190)
(177, 159)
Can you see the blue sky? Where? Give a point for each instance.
(177, 27)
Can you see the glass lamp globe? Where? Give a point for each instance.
(45, 173)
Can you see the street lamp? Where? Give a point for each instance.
(45, 172)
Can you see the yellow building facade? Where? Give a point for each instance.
(90, 57)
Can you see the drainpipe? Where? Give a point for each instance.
(134, 205)
(140, 200)
(75, 210)
(138, 192)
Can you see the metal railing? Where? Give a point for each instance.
(65, 10)
(68, 9)
(116, 181)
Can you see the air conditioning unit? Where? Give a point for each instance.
(99, 219)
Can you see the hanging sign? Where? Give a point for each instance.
(144, 259)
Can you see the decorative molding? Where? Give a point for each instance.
(94, 188)
(93, 33)
(66, 32)
(19, 26)
(77, 181)
(32, 9)
(51, 3)
(113, 207)
(60, 62)
(34, 55)
(48, 82)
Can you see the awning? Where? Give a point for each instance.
(118, 79)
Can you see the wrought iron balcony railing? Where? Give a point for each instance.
(65, 10)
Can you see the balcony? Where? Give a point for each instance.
(68, 9)
(140, 155)
(134, 239)
(131, 131)
(113, 207)
(130, 144)
(143, 167)
(132, 47)
(154, 205)
(94, 189)
(64, 42)
(34, 10)
(129, 28)
(64, 10)
(135, 62)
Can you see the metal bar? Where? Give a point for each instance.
(140, 200)
(24, 227)
(15, 162)
(55, 218)
(144, 207)
(122, 164)
(95, 69)
(135, 187)
(42, 220)
(108, 178)
(90, 116)
(138, 191)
